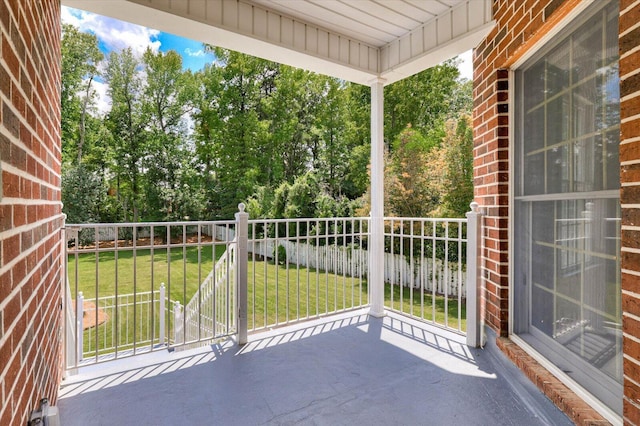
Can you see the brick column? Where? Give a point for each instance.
(491, 179)
(629, 36)
(30, 249)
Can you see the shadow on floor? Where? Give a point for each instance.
(349, 369)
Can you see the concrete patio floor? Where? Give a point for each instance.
(348, 369)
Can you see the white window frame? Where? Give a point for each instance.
(598, 405)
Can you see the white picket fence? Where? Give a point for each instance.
(220, 232)
(341, 260)
(110, 233)
(447, 277)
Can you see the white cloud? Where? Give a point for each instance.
(195, 53)
(466, 65)
(116, 35)
(103, 101)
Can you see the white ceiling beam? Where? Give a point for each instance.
(453, 32)
(256, 30)
(249, 29)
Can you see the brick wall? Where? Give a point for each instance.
(520, 24)
(30, 255)
(629, 36)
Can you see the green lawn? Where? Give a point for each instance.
(292, 293)
(280, 293)
(422, 306)
(185, 276)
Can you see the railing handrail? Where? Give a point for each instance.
(425, 219)
(149, 224)
(308, 219)
(341, 271)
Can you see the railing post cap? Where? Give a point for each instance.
(474, 207)
(241, 207)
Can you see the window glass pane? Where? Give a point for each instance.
(533, 176)
(542, 316)
(587, 165)
(534, 92)
(558, 169)
(557, 70)
(557, 127)
(609, 88)
(585, 108)
(612, 159)
(567, 208)
(584, 43)
(534, 129)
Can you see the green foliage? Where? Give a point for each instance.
(412, 190)
(459, 172)
(127, 122)
(83, 195)
(80, 58)
(422, 99)
(287, 142)
(279, 255)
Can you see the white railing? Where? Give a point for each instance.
(211, 311)
(259, 274)
(127, 323)
(425, 265)
(305, 268)
(122, 277)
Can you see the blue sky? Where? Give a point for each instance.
(116, 35)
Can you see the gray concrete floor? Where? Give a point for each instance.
(350, 369)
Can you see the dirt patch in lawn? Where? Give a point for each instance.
(89, 318)
(146, 242)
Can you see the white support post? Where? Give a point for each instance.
(162, 313)
(376, 229)
(475, 332)
(178, 329)
(79, 327)
(242, 260)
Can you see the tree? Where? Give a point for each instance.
(127, 121)
(83, 195)
(232, 128)
(80, 58)
(169, 167)
(458, 155)
(411, 176)
(421, 100)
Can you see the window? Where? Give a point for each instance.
(567, 209)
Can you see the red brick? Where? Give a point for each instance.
(10, 249)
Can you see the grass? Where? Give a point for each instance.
(291, 293)
(182, 279)
(279, 293)
(419, 304)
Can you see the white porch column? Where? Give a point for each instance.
(376, 240)
(242, 261)
(475, 328)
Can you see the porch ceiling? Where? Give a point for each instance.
(355, 40)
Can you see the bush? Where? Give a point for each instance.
(280, 255)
